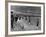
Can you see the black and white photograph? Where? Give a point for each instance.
(25, 18)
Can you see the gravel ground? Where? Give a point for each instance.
(23, 25)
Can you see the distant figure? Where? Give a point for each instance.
(37, 22)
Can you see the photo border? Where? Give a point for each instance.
(30, 3)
